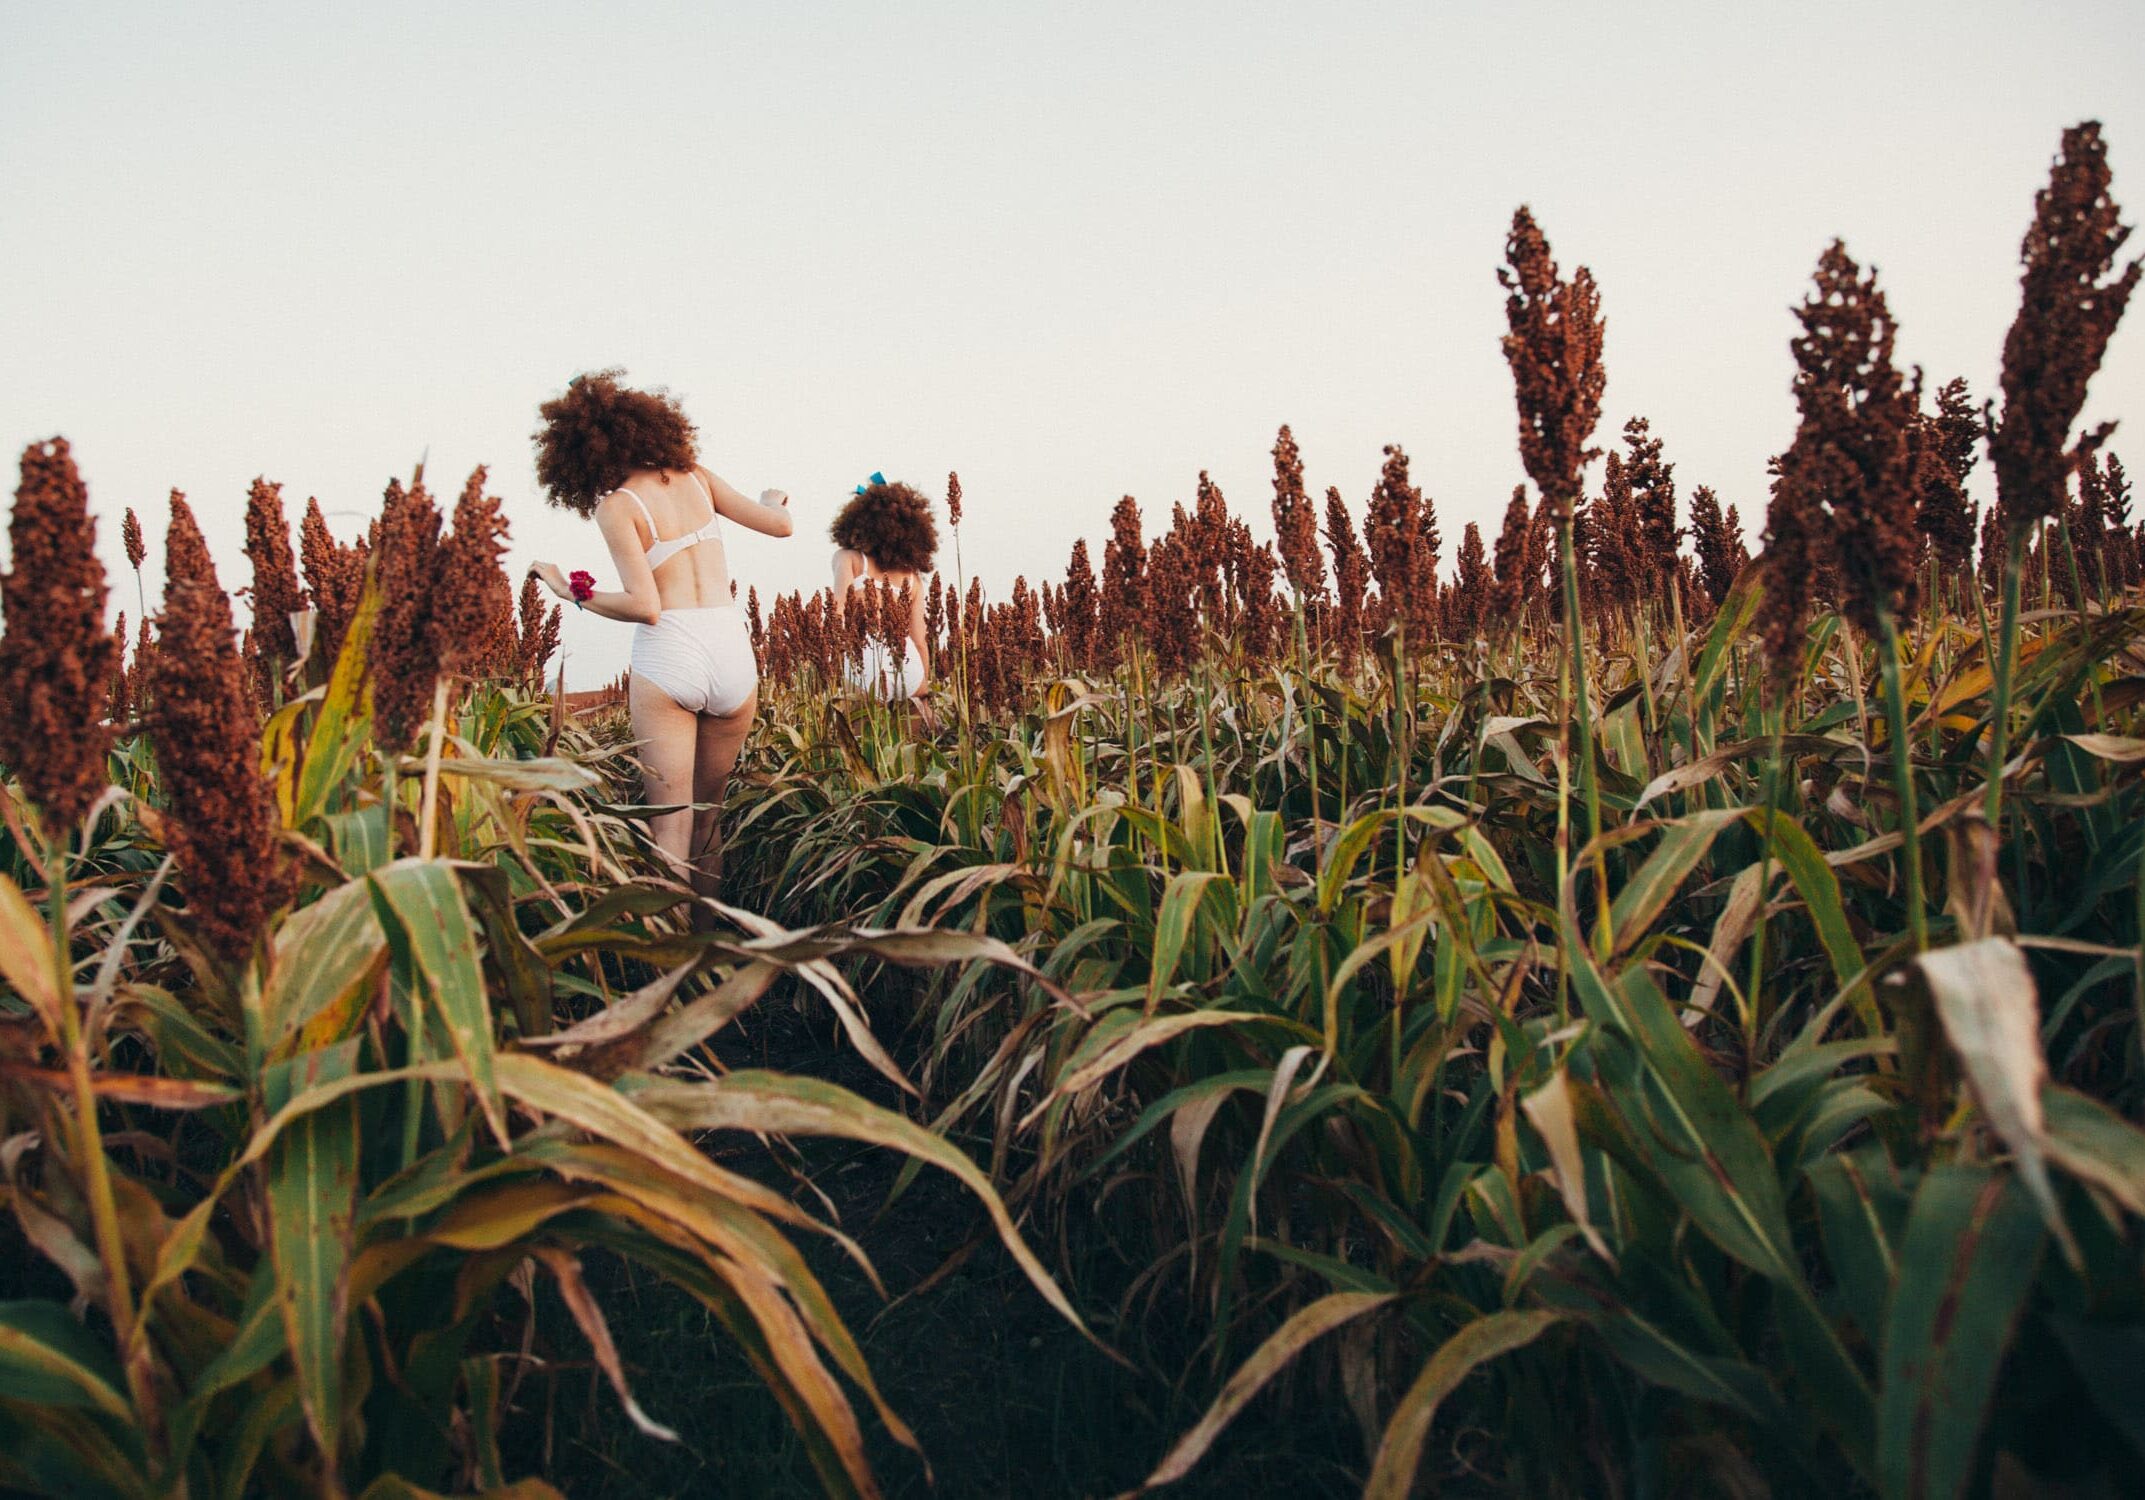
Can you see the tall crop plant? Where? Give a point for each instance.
(321, 1066)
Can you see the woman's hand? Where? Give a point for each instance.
(775, 497)
(550, 575)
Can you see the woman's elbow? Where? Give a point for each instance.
(647, 611)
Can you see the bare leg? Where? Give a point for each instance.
(720, 738)
(666, 734)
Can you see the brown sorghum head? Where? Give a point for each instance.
(471, 587)
(1296, 521)
(1720, 550)
(1653, 494)
(1516, 567)
(140, 670)
(1124, 581)
(223, 829)
(1393, 532)
(529, 630)
(2068, 309)
(1612, 537)
(935, 614)
(1171, 621)
(1473, 587)
(405, 650)
(130, 533)
(335, 575)
(56, 658)
(1848, 463)
(1206, 534)
(953, 498)
(1554, 349)
(1940, 454)
(276, 594)
(1793, 557)
(1351, 571)
(891, 524)
(1077, 605)
(600, 432)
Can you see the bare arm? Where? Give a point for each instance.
(919, 622)
(847, 565)
(637, 602)
(769, 515)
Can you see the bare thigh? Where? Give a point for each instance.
(720, 738)
(667, 736)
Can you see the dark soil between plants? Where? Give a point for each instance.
(1004, 1396)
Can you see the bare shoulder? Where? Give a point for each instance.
(617, 507)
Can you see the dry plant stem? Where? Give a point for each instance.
(428, 833)
(2006, 651)
(1895, 707)
(1765, 867)
(1578, 713)
(1310, 720)
(89, 1138)
(2070, 559)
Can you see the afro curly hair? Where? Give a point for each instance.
(892, 525)
(600, 432)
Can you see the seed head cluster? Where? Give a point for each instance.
(276, 594)
(223, 827)
(56, 659)
(2069, 306)
(1554, 348)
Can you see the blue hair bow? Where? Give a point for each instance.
(876, 478)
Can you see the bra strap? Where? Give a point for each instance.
(646, 515)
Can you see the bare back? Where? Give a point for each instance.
(851, 567)
(678, 504)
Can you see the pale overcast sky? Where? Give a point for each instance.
(1071, 251)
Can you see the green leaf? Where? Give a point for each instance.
(312, 1201)
(1268, 1360)
(345, 718)
(1173, 927)
(1985, 996)
(764, 1102)
(2094, 1143)
(1861, 1212)
(420, 905)
(1967, 1261)
(1820, 892)
(1392, 1473)
(49, 1359)
(322, 968)
(1647, 893)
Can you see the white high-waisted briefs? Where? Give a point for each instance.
(701, 658)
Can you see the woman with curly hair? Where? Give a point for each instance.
(885, 536)
(629, 458)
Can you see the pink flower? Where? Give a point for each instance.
(582, 583)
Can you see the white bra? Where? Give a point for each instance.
(660, 551)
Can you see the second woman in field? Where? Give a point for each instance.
(885, 539)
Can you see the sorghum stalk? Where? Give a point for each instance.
(1895, 707)
(89, 1138)
(2006, 653)
(1577, 710)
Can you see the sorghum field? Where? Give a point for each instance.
(1612, 1016)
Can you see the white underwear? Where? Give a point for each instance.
(701, 658)
(884, 676)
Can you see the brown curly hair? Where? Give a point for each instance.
(600, 432)
(892, 525)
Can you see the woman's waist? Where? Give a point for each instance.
(703, 609)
